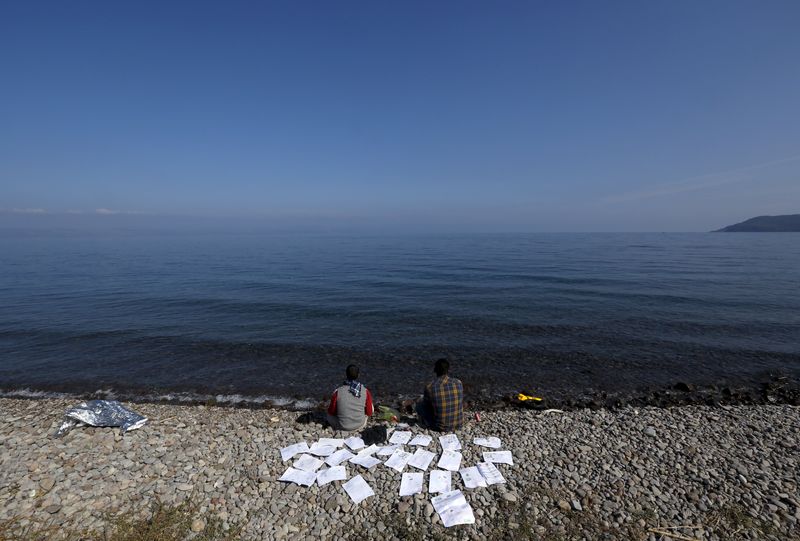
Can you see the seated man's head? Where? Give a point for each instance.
(442, 367)
(352, 372)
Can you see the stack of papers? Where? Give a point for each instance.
(388, 450)
(421, 459)
(355, 443)
(336, 473)
(421, 439)
(292, 450)
(308, 463)
(490, 472)
(336, 442)
(400, 437)
(453, 509)
(338, 457)
(320, 449)
(450, 460)
(365, 461)
(398, 460)
(439, 481)
(492, 442)
(358, 489)
(371, 450)
(472, 477)
(498, 457)
(300, 477)
(411, 484)
(450, 442)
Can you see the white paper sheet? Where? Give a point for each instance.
(388, 450)
(300, 477)
(398, 460)
(490, 472)
(355, 443)
(411, 484)
(336, 442)
(358, 489)
(400, 437)
(421, 459)
(308, 463)
(338, 457)
(439, 481)
(472, 477)
(292, 450)
(450, 442)
(453, 508)
(365, 461)
(371, 450)
(421, 439)
(336, 473)
(450, 460)
(493, 442)
(498, 457)
(319, 449)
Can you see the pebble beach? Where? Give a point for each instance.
(690, 472)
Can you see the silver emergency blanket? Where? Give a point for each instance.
(100, 413)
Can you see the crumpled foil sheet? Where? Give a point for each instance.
(100, 413)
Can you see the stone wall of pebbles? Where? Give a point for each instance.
(650, 467)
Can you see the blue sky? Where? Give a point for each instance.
(528, 116)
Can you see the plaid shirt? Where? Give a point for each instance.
(445, 397)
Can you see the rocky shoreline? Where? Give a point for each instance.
(697, 472)
(765, 390)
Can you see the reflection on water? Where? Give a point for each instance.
(254, 313)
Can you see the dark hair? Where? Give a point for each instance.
(352, 372)
(442, 367)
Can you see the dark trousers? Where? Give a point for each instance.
(425, 415)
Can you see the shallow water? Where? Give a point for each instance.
(281, 315)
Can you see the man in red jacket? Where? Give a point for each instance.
(351, 403)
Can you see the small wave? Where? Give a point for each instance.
(28, 393)
(237, 400)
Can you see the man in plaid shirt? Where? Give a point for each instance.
(442, 406)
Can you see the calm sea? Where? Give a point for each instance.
(280, 316)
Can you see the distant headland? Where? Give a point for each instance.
(766, 224)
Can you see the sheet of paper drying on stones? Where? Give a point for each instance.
(698, 472)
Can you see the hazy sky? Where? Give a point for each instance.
(529, 116)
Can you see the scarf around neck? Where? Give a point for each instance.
(355, 387)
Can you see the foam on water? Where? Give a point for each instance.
(296, 404)
(28, 393)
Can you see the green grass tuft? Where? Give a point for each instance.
(161, 523)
